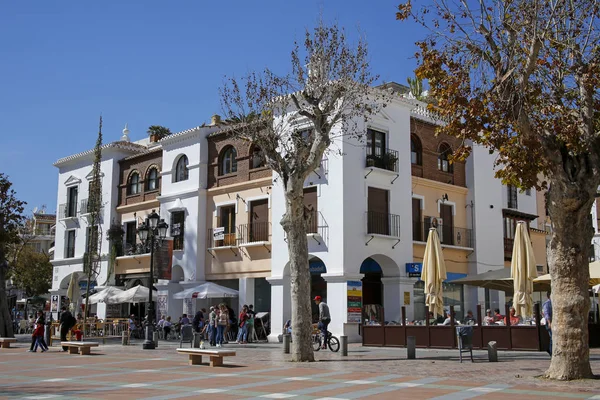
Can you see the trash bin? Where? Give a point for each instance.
(464, 338)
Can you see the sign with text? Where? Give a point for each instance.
(354, 289)
(413, 270)
(219, 233)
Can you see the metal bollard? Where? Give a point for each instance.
(286, 343)
(47, 336)
(197, 339)
(344, 345)
(124, 339)
(155, 339)
(411, 344)
(492, 352)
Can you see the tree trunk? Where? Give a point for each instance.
(569, 206)
(294, 224)
(6, 326)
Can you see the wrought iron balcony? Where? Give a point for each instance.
(67, 210)
(254, 232)
(383, 224)
(229, 239)
(449, 235)
(384, 159)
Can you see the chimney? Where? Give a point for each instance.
(215, 120)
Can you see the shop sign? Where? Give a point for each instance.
(317, 267)
(354, 295)
(54, 303)
(83, 285)
(219, 233)
(414, 269)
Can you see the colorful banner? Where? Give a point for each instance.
(354, 289)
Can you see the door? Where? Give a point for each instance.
(375, 148)
(72, 202)
(310, 208)
(228, 222)
(416, 220)
(447, 224)
(377, 219)
(259, 221)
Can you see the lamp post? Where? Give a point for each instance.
(150, 230)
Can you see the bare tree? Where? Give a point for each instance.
(327, 93)
(522, 77)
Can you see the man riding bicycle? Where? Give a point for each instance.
(324, 319)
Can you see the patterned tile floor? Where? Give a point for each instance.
(263, 372)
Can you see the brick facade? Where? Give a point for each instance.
(430, 143)
(140, 163)
(217, 143)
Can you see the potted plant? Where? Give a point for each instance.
(157, 132)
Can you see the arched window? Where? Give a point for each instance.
(134, 186)
(258, 158)
(152, 179)
(416, 153)
(228, 161)
(443, 162)
(181, 169)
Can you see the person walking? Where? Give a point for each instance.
(547, 311)
(212, 326)
(242, 336)
(324, 319)
(38, 333)
(222, 323)
(67, 321)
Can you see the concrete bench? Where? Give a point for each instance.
(82, 347)
(6, 341)
(216, 356)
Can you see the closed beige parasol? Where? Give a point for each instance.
(523, 271)
(434, 273)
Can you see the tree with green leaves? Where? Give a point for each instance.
(91, 258)
(32, 272)
(329, 92)
(523, 78)
(11, 221)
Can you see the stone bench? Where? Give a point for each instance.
(216, 356)
(6, 341)
(82, 347)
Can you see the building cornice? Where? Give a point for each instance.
(439, 185)
(182, 195)
(144, 205)
(236, 187)
(124, 146)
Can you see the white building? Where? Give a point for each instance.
(72, 226)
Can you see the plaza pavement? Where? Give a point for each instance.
(262, 371)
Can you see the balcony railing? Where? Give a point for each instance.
(43, 232)
(449, 235)
(85, 206)
(383, 224)
(229, 239)
(69, 251)
(254, 232)
(67, 210)
(387, 160)
(316, 227)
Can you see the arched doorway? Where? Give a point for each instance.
(372, 289)
(318, 285)
(177, 274)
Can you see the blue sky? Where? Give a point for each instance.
(146, 62)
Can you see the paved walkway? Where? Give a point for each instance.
(261, 371)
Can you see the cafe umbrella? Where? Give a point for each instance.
(523, 271)
(434, 273)
(208, 290)
(108, 295)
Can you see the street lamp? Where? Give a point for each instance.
(149, 230)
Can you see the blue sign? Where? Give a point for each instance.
(317, 267)
(83, 285)
(414, 269)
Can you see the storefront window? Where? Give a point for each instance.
(453, 296)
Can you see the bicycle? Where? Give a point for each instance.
(332, 342)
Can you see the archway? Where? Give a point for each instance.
(372, 287)
(318, 285)
(177, 274)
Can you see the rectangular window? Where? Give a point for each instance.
(70, 244)
(228, 222)
(416, 220)
(528, 192)
(378, 221)
(130, 237)
(311, 209)
(177, 229)
(512, 196)
(447, 236)
(71, 202)
(375, 143)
